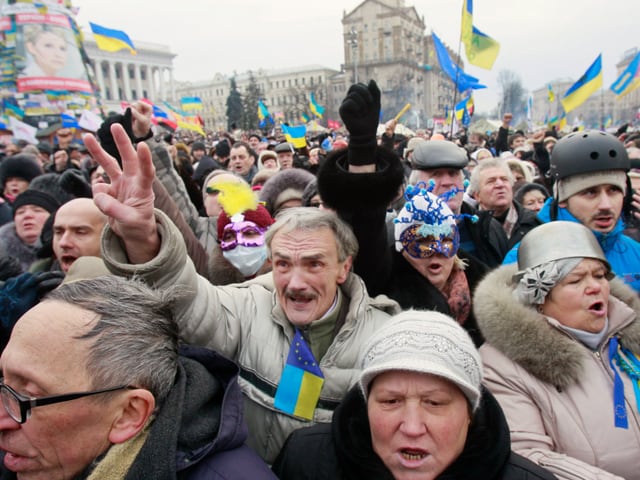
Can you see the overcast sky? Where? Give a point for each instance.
(541, 40)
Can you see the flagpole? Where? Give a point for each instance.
(455, 88)
(602, 120)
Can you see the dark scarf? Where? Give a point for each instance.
(485, 453)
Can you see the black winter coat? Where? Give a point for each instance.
(361, 200)
(488, 237)
(343, 450)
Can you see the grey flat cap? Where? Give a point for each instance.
(438, 154)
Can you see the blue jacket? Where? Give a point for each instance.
(622, 252)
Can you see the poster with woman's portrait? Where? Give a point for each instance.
(47, 54)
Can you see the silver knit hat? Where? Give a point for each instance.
(424, 342)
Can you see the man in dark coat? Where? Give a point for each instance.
(492, 186)
(442, 163)
(359, 183)
(143, 408)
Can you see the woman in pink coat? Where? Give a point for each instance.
(562, 355)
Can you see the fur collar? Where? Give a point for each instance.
(525, 337)
(11, 244)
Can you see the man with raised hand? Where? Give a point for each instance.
(309, 307)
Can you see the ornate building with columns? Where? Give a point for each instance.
(121, 76)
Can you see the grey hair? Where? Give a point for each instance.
(311, 219)
(135, 336)
(474, 181)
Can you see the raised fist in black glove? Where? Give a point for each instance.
(74, 182)
(360, 112)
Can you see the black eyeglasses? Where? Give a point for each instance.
(19, 406)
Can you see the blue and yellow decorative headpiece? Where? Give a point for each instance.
(426, 225)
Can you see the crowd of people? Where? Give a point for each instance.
(369, 306)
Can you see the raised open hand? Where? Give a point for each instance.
(128, 199)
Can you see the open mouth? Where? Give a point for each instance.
(411, 454)
(599, 308)
(435, 268)
(603, 221)
(300, 299)
(67, 260)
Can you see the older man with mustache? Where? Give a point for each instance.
(295, 333)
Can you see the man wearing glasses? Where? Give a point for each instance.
(93, 384)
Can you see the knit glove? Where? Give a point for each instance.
(360, 112)
(19, 294)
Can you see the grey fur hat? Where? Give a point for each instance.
(284, 186)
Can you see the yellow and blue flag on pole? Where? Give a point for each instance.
(462, 80)
(460, 108)
(295, 135)
(191, 103)
(552, 96)
(111, 40)
(481, 49)
(562, 123)
(301, 381)
(587, 84)
(629, 79)
(263, 114)
(315, 107)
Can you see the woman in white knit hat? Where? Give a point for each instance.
(419, 411)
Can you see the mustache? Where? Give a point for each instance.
(299, 294)
(603, 213)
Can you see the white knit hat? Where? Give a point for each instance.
(424, 342)
(569, 186)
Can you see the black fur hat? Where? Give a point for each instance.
(20, 166)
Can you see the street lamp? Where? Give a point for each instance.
(353, 41)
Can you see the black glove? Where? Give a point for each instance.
(17, 295)
(360, 112)
(74, 182)
(47, 281)
(106, 138)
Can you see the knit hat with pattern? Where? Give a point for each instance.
(424, 342)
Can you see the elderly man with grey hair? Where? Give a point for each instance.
(94, 386)
(492, 187)
(295, 333)
(442, 164)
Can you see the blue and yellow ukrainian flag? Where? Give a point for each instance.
(552, 96)
(460, 109)
(587, 84)
(629, 79)
(304, 118)
(301, 381)
(111, 40)
(608, 121)
(315, 107)
(191, 103)
(481, 49)
(562, 123)
(295, 135)
(69, 120)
